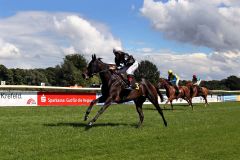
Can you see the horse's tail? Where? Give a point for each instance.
(159, 92)
(149, 90)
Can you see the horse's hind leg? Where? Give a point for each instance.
(155, 103)
(139, 103)
(205, 98)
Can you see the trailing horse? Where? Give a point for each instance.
(197, 91)
(113, 90)
(183, 92)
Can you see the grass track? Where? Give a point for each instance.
(59, 133)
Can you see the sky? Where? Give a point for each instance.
(186, 36)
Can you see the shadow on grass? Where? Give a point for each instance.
(165, 109)
(85, 126)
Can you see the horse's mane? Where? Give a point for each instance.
(165, 81)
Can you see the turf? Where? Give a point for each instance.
(59, 133)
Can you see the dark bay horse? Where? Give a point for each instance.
(197, 91)
(113, 90)
(184, 92)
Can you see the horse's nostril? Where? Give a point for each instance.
(83, 75)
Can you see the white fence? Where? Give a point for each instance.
(22, 95)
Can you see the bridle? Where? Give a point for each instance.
(92, 74)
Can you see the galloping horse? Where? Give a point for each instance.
(184, 92)
(113, 90)
(197, 91)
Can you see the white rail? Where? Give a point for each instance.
(77, 89)
(48, 88)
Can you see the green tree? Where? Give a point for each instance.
(147, 70)
(71, 70)
(6, 75)
(77, 60)
(18, 76)
(233, 83)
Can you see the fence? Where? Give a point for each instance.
(21, 95)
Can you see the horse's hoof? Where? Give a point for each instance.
(165, 124)
(90, 124)
(85, 118)
(139, 125)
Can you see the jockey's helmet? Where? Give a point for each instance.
(170, 71)
(194, 76)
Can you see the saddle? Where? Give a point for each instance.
(122, 74)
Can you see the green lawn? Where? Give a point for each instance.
(30, 133)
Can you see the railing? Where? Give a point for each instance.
(78, 89)
(49, 88)
(22, 95)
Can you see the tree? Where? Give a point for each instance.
(18, 76)
(6, 75)
(148, 70)
(71, 70)
(233, 83)
(77, 60)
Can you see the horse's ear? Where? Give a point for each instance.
(93, 57)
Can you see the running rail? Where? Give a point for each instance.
(78, 89)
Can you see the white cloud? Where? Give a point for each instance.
(44, 38)
(85, 37)
(8, 50)
(217, 65)
(212, 24)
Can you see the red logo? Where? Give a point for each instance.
(31, 101)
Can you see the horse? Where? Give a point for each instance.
(113, 89)
(183, 93)
(197, 91)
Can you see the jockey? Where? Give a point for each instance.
(125, 61)
(173, 78)
(196, 80)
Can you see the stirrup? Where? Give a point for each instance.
(129, 87)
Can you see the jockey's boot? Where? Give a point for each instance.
(191, 91)
(177, 90)
(132, 82)
(199, 89)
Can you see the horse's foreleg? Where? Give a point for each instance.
(104, 107)
(189, 100)
(100, 99)
(164, 106)
(171, 105)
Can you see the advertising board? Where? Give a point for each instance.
(18, 98)
(64, 99)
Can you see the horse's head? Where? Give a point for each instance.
(164, 83)
(189, 84)
(161, 82)
(94, 67)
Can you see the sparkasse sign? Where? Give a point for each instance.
(64, 99)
